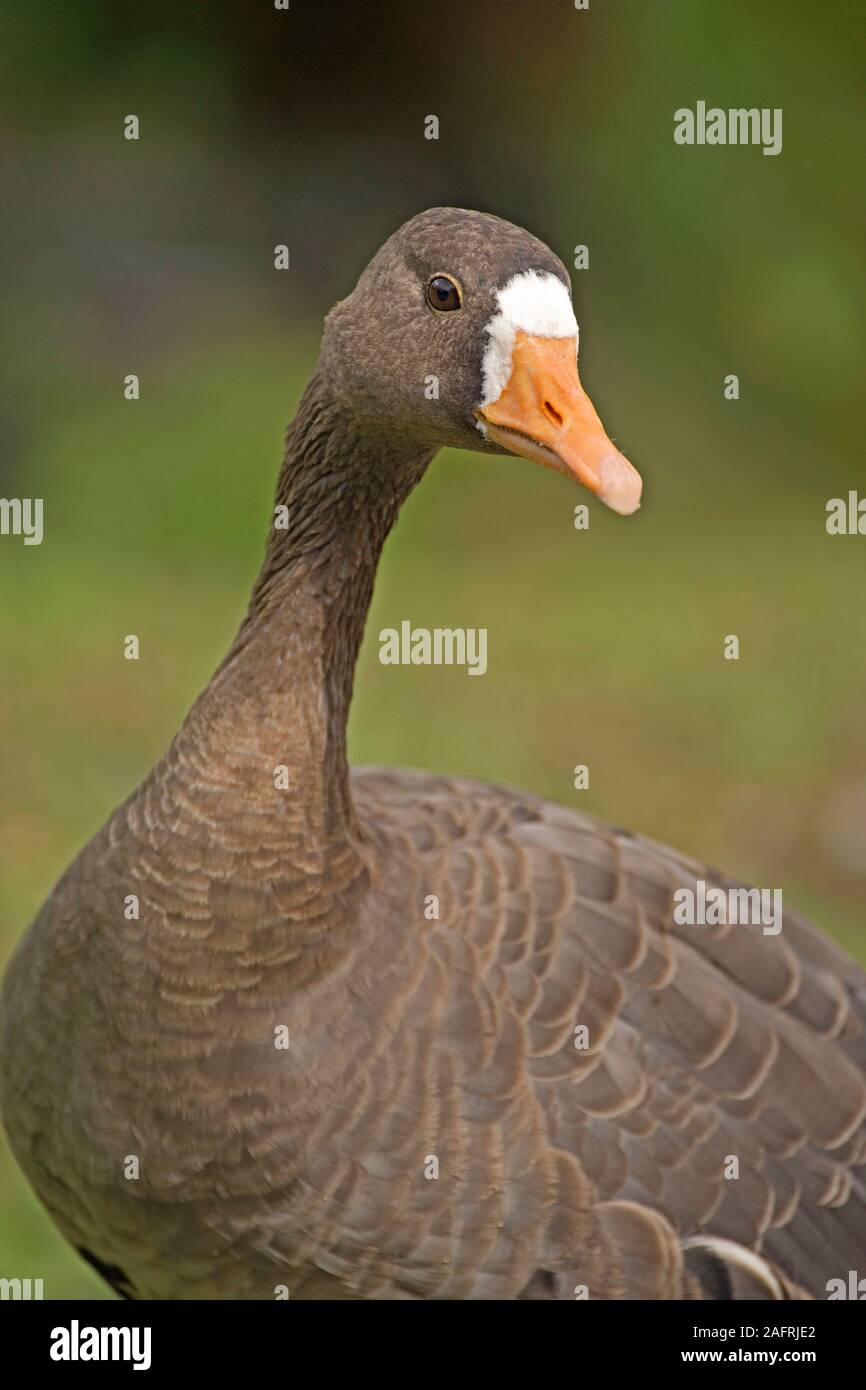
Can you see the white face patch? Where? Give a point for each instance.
(534, 301)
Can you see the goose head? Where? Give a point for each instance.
(461, 332)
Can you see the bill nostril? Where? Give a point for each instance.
(552, 413)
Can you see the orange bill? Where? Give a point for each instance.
(544, 413)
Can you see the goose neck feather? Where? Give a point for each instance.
(281, 697)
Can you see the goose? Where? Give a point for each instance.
(242, 1059)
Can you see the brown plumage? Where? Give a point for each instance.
(413, 1039)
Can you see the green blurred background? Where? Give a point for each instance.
(260, 127)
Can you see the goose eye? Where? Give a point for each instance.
(443, 294)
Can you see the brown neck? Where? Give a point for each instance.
(281, 697)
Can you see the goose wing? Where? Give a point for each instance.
(709, 1080)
